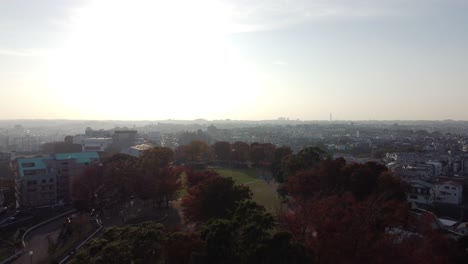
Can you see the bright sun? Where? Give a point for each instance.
(153, 60)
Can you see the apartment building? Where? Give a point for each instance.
(42, 181)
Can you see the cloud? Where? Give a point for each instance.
(256, 15)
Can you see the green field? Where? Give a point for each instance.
(263, 193)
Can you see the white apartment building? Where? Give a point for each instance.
(420, 192)
(448, 192)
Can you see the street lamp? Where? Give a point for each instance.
(31, 253)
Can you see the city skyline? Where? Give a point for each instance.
(239, 60)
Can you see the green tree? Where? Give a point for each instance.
(215, 197)
(248, 236)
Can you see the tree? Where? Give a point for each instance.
(195, 177)
(305, 159)
(248, 237)
(240, 152)
(213, 198)
(166, 184)
(341, 229)
(337, 177)
(7, 189)
(222, 150)
(88, 188)
(181, 154)
(121, 174)
(278, 156)
(157, 157)
(128, 244)
(262, 154)
(197, 151)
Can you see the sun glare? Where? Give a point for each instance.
(146, 59)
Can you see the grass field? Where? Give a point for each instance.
(263, 193)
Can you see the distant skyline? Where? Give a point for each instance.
(234, 59)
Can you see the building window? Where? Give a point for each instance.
(29, 172)
(51, 180)
(28, 165)
(446, 187)
(31, 183)
(44, 180)
(413, 196)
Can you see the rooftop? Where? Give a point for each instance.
(80, 157)
(36, 163)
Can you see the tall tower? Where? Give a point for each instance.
(331, 118)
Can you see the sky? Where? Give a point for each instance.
(234, 59)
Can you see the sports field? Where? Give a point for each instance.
(263, 193)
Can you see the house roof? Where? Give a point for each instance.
(142, 147)
(448, 222)
(80, 157)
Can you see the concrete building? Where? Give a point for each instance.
(95, 144)
(436, 167)
(67, 165)
(35, 185)
(124, 138)
(420, 192)
(42, 181)
(449, 192)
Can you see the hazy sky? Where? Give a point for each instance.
(237, 59)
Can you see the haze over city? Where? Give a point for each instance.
(249, 60)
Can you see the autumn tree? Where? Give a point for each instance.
(181, 154)
(197, 151)
(213, 198)
(166, 183)
(156, 157)
(121, 175)
(88, 188)
(240, 152)
(195, 177)
(262, 154)
(343, 229)
(222, 150)
(338, 177)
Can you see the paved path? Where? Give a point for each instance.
(37, 241)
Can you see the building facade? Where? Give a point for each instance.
(43, 181)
